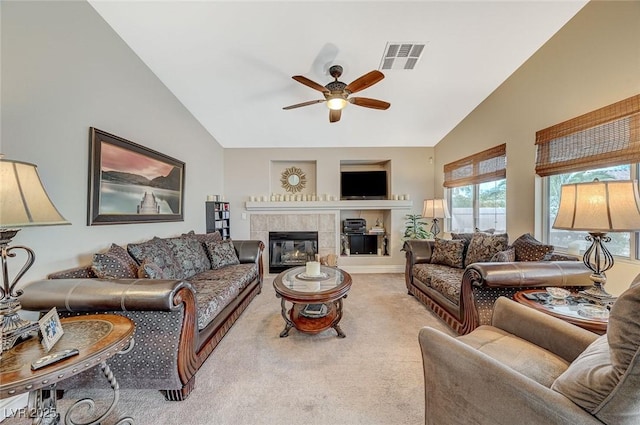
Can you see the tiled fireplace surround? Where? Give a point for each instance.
(326, 224)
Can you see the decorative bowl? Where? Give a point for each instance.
(558, 293)
(593, 311)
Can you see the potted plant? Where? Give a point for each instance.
(414, 228)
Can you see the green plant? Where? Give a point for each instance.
(414, 227)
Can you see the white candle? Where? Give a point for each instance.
(313, 268)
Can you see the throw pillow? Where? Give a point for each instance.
(529, 248)
(448, 252)
(157, 251)
(467, 236)
(190, 255)
(116, 263)
(222, 254)
(602, 367)
(484, 246)
(462, 236)
(490, 230)
(150, 270)
(203, 238)
(506, 256)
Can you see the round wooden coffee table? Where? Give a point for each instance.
(567, 310)
(316, 301)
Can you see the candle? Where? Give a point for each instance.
(313, 268)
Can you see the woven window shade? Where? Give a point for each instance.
(485, 166)
(605, 137)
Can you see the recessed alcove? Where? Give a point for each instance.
(293, 177)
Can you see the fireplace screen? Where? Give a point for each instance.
(291, 249)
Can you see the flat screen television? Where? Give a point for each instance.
(363, 184)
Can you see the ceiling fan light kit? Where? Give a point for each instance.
(337, 103)
(336, 93)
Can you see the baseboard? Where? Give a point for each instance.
(362, 269)
(373, 269)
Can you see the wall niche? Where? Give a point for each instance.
(293, 178)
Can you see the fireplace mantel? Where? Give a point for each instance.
(328, 205)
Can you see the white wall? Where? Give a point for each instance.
(593, 61)
(63, 71)
(247, 173)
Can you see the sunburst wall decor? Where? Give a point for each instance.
(293, 179)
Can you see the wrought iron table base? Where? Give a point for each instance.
(43, 405)
(289, 323)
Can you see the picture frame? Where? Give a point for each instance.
(50, 329)
(130, 183)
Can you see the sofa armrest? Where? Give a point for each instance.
(526, 274)
(463, 386)
(96, 295)
(418, 251)
(483, 283)
(552, 334)
(249, 251)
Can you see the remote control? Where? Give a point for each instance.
(53, 358)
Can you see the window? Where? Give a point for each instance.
(480, 206)
(603, 144)
(476, 191)
(620, 244)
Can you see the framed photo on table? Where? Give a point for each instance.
(129, 183)
(50, 328)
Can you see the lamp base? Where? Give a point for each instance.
(435, 229)
(597, 291)
(14, 328)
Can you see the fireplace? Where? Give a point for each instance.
(291, 249)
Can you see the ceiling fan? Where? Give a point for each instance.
(336, 93)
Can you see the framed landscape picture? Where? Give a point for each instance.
(129, 183)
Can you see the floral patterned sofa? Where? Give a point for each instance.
(183, 294)
(460, 279)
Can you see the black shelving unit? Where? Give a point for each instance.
(218, 218)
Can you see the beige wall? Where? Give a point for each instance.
(63, 71)
(247, 171)
(592, 62)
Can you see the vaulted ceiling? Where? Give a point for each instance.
(230, 63)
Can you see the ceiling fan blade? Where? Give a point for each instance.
(334, 115)
(298, 105)
(369, 103)
(307, 82)
(365, 81)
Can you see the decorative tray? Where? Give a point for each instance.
(304, 276)
(593, 311)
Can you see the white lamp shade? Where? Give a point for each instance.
(607, 206)
(23, 199)
(435, 208)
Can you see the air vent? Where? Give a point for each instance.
(401, 55)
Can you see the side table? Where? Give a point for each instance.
(97, 337)
(566, 310)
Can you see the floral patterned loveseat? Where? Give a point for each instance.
(183, 294)
(460, 279)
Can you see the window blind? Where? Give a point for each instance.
(601, 138)
(485, 166)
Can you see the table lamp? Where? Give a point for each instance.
(435, 209)
(599, 207)
(23, 202)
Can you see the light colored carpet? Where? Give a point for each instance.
(373, 376)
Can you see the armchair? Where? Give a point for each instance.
(531, 368)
